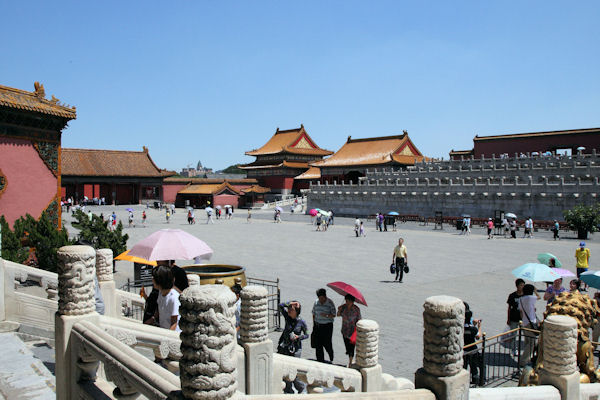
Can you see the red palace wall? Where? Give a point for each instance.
(537, 143)
(170, 192)
(223, 199)
(277, 182)
(29, 185)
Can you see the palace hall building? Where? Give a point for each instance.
(30, 152)
(120, 177)
(561, 142)
(352, 160)
(286, 155)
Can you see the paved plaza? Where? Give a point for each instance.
(473, 268)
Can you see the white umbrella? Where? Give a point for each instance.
(218, 207)
(580, 148)
(227, 206)
(510, 215)
(208, 209)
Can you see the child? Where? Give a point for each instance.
(144, 217)
(168, 298)
(362, 230)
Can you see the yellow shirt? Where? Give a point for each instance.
(400, 251)
(582, 256)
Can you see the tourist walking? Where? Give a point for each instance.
(319, 221)
(249, 218)
(278, 216)
(400, 258)
(380, 218)
(527, 231)
(350, 314)
(514, 314)
(130, 219)
(168, 215)
(582, 255)
(506, 226)
(468, 227)
(290, 341)
(330, 217)
(490, 228)
(362, 230)
(529, 318)
(323, 314)
(209, 218)
(113, 221)
(357, 224)
(513, 229)
(556, 229)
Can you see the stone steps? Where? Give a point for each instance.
(22, 374)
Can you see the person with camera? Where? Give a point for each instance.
(290, 341)
(400, 257)
(472, 356)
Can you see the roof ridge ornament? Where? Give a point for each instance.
(40, 92)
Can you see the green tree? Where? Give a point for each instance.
(98, 235)
(584, 219)
(28, 233)
(12, 249)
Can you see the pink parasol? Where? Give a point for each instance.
(170, 244)
(344, 289)
(564, 273)
(313, 212)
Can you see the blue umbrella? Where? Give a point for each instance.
(393, 213)
(536, 273)
(129, 209)
(592, 278)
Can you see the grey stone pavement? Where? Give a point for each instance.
(472, 268)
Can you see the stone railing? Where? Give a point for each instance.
(288, 200)
(96, 356)
(27, 308)
(35, 304)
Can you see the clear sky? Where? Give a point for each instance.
(196, 80)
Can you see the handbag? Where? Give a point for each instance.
(534, 325)
(393, 268)
(313, 339)
(406, 269)
(353, 337)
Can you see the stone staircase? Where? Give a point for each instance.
(26, 370)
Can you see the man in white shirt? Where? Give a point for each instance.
(529, 318)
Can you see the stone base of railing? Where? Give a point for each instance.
(444, 387)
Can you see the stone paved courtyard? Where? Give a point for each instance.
(472, 268)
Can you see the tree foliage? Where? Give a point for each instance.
(98, 235)
(583, 218)
(29, 233)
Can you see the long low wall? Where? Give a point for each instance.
(540, 201)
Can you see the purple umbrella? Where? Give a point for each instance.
(564, 273)
(170, 244)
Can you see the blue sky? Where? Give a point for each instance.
(208, 81)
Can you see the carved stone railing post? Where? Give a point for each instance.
(442, 372)
(254, 337)
(367, 348)
(208, 342)
(76, 301)
(559, 347)
(104, 272)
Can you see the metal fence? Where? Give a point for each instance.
(499, 359)
(274, 298)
